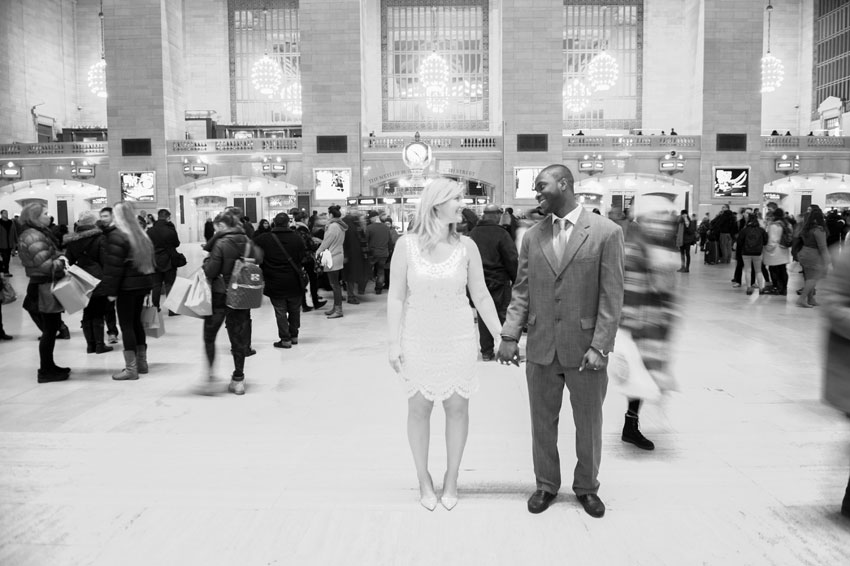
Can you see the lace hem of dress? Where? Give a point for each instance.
(465, 390)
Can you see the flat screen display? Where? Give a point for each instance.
(731, 182)
(524, 181)
(138, 186)
(332, 184)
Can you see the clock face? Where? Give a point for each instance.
(416, 153)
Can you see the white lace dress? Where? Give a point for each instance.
(439, 344)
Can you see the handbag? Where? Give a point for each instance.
(326, 259)
(7, 294)
(87, 281)
(152, 320)
(71, 294)
(627, 370)
(199, 296)
(299, 269)
(178, 259)
(47, 301)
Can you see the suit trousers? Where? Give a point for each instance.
(587, 391)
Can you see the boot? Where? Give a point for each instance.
(632, 434)
(88, 333)
(237, 383)
(142, 358)
(64, 333)
(130, 371)
(336, 312)
(97, 330)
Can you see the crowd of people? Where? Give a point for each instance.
(571, 273)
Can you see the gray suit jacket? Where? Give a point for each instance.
(573, 304)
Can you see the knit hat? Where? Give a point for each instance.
(87, 218)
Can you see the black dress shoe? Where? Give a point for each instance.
(320, 303)
(51, 376)
(250, 352)
(540, 501)
(592, 504)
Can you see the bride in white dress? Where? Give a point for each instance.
(432, 334)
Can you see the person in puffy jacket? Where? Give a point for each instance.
(127, 279)
(225, 247)
(333, 240)
(86, 247)
(39, 253)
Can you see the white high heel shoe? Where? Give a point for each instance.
(429, 502)
(449, 501)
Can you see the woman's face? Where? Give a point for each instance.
(220, 226)
(449, 212)
(44, 218)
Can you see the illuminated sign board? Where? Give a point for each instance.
(332, 183)
(138, 186)
(524, 181)
(731, 182)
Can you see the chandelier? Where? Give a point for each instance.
(772, 69)
(97, 72)
(266, 76)
(291, 96)
(576, 95)
(603, 69)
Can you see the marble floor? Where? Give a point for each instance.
(312, 466)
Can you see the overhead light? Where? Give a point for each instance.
(97, 72)
(772, 69)
(84, 170)
(11, 171)
(591, 164)
(787, 164)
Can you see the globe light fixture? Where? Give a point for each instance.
(266, 76)
(576, 95)
(602, 71)
(772, 69)
(97, 72)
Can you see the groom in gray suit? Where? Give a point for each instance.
(569, 293)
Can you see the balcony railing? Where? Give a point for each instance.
(451, 143)
(579, 143)
(251, 145)
(804, 142)
(53, 149)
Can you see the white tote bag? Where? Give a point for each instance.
(327, 260)
(627, 371)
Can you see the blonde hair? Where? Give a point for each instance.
(141, 247)
(425, 223)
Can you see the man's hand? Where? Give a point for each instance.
(394, 354)
(592, 360)
(112, 299)
(508, 353)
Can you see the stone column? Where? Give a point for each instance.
(532, 79)
(144, 70)
(331, 84)
(732, 97)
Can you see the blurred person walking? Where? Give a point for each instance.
(724, 226)
(750, 244)
(685, 237)
(127, 279)
(813, 255)
(777, 252)
(431, 336)
(309, 260)
(379, 241)
(43, 264)
(355, 270)
(86, 247)
(225, 247)
(111, 317)
(499, 259)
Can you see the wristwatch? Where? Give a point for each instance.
(602, 353)
(509, 339)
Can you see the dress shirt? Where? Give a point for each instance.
(572, 218)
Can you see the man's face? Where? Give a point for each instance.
(550, 192)
(106, 218)
(4, 214)
(724, 208)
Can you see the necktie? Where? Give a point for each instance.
(561, 237)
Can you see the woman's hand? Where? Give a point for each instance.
(394, 354)
(112, 299)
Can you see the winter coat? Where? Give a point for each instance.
(724, 223)
(163, 234)
(686, 233)
(86, 247)
(282, 280)
(356, 267)
(498, 253)
(120, 273)
(39, 253)
(8, 240)
(333, 240)
(225, 248)
(751, 240)
(378, 239)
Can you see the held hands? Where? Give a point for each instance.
(592, 360)
(394, 354)
(112, 299)
(508, 353)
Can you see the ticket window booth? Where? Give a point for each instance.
(277, 204)
(207, 207)
(590, 201)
